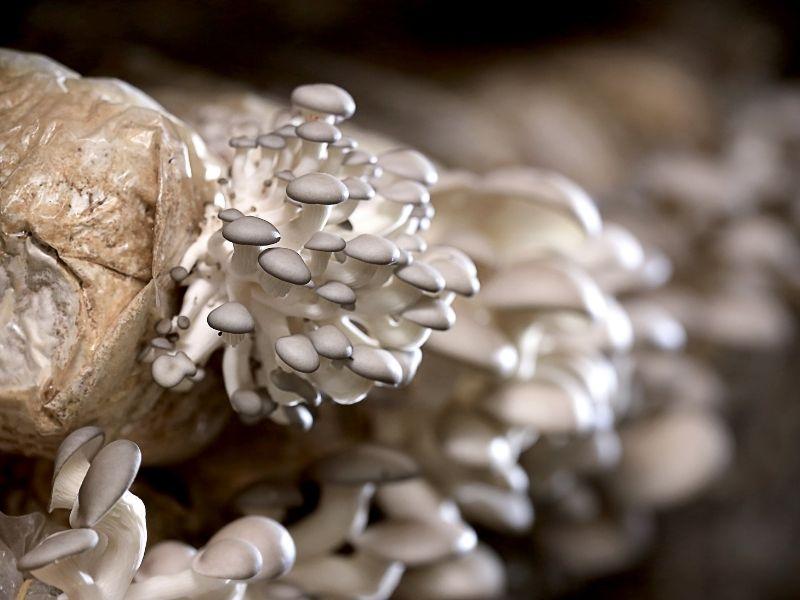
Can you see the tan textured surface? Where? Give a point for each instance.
(100, 191)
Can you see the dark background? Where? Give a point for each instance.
(741, 540)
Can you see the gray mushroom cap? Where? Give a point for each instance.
(317, 188)
(270, 539)
(271, 141)
(58, 546)
(411, 242)
(372, 249)
(228, 559)
(251, 231)
(246, 402)
(231, 317)
(365, 463)
(375, 364)
(330, 342)
(87, 440)
(169, 370)
(359, 158)
(324, 98)
(285, 175)
(457, 278)
(230, 214)
(298, 352)
(429, 312)
(421, 276)
(346, 143)
(407, 192)
(409, 164)
(319, 132)
(242, 141)
(324, 241)
(359, 189)
(337, 292)
(110, 474)
(285, 264)
(178, 274)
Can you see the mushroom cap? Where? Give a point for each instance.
(271, 540)
(421, 276)
(57, 546)
(230, 214)
(346, 143)
(298, 352)
(365, 463)
(251, 231)
(231, 317)
(319, 132)
(359, 158)
(285, 264)
(407, 192)
(376, 364)
(329, 341)
(271, 141)
(228, 559)
(86, 440)
(178, 274)
(432, 313)
(359, 189)
(110, 474)
(242, 141)
(317, 188)
(415, 543)
(324, 98)
(411, 242)
(323, 241)
(166, 558)
(337, 292)
(169, 370)
(409, 164)
(372, 249)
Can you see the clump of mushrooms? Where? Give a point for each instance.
(310, 270)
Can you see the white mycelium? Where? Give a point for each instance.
(310, 271)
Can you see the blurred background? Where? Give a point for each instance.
(682, 119)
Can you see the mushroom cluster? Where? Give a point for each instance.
(544, 403)
(97, 557)
(310, 270)
(377, 530)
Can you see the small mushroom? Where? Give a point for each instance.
(232, 320)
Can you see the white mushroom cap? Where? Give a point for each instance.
(330, 342)
(365, 463)
(318, 131)
(110, 474)
(324, 98)
(317, 188)
(251, 231)
(231, 317)
(323, 241)
(169, 370)
(271, 540)
(372, 249)
(228, 559)
(359, 189)
(407, 192)
(409, 164)
(298, 352)
(57, 546)
(337, 292)
(416, 542)
(375, 364)
(285, 264)
(166, 558)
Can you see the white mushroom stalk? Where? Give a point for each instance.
(98, 557)
(312, 271)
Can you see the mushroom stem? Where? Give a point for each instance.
(186, 584)
(341, 514)
(67, 576)
(236, 367)
(312, 218)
